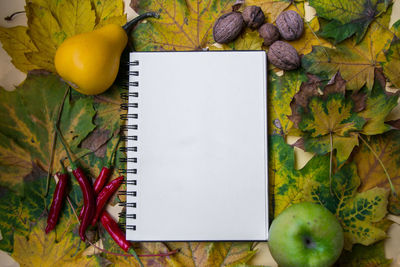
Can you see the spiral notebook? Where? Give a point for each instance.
(197, 146)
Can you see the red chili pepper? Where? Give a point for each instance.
(105, 171)
(89, 201)
(105, 195)
(58, 197)
(115, 232)
(101, 179)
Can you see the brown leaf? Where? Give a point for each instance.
(301, 98)
(394, 124)
(335, 85)
(360, 101)
(95, 142)
(300, 144)
(134, 5)
(380, 77)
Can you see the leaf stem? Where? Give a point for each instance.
(53, 145)
(383, 166)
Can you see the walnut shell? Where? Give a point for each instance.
(269, 32)
(283, 56)
(253, 16)
(290, 25)
(228, 27)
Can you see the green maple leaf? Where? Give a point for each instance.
(391, 67)
(331, 119)
(378, 106)
(348, 17)
(360, 214)
(356, 62)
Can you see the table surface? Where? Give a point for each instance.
(11, 77)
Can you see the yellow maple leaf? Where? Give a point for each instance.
(41, 249)
(50, 23)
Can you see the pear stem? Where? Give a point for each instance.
(127, 27)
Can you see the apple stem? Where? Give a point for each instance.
(383, 166)
(127, 27)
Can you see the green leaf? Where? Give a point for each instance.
(10, 210)
(356, 62)
(369, 256)
(333, 118)
(27, 122)
(183, 25)
(354, 16)
(391, 67)
(281, 90)
(358, 213)
(378, 106)
(387, 147)
(339, 32)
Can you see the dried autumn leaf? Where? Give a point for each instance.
(212, 253)
(358, 213)
(183, 25)
(41, 249)
(331, 119)
(356, 62)
(281, 90)
(371, 172)
(353, 17)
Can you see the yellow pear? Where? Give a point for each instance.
(89, 61)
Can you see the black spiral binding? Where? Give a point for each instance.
(130, 96)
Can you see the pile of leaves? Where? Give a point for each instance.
(338, 103)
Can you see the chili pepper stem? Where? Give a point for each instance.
(73, 165)
(53, 145)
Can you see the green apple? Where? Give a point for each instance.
(305, 234)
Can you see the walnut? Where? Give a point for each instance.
(253, 16)
(290, 25)
(269, 32)
(228, 27)
(283, 56)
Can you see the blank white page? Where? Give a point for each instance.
(201, 170)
